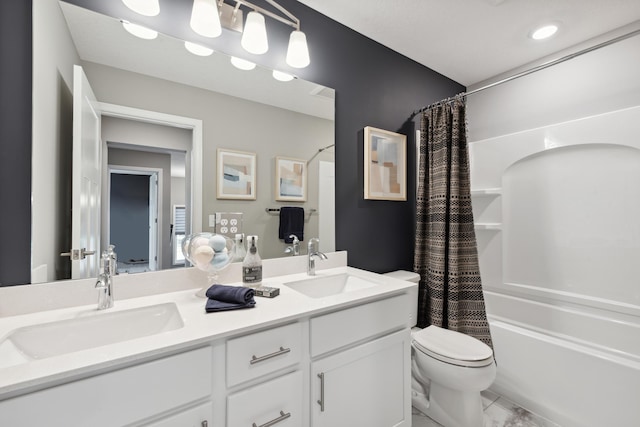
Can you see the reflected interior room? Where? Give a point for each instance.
(319, 213)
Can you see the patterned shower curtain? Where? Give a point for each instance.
(446, 255)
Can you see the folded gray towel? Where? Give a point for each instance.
(214, 305)
(223, 298)
(231, 294)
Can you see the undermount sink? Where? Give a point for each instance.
(324, 286)
(67, 336)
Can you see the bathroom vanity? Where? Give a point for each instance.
(331, 350)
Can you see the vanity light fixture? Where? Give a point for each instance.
(242, 64)
(544, 32)
(205, 18)
(139, 30)
(143, 7)
(283, 77)
(197, 49)
(254, 36)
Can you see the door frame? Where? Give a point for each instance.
(194, 196)
(155, 213)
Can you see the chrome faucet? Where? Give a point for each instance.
(294, 249)
(105, 280)
(313, 254)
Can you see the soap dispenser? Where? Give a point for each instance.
(240, 248)
(252, 264)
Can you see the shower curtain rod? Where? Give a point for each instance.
(530, 70)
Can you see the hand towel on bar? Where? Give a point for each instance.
(291, 222)
(223, 298)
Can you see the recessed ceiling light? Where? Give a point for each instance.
(139, 30)
(242, 64)
(283, 77)
(544, 32)
(197, 49)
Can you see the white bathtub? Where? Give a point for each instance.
(570, 364)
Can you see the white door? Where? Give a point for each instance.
(85, 199)
(153, 222)
(368, 385)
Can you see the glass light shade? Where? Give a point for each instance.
(143, 7)
(197, 49)
(205, 19)
(242, 64)
(283, 77)
(298, 51)
(544, 32)
(254, 35)
(140, 31)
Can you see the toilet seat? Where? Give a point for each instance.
(452, 347)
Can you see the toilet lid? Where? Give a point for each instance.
(453, 347)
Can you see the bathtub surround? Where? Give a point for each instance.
(446, 254)
(554, 161)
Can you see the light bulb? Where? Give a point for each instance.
(544, 32)
(298, 51)
(242, 64)
(254, 35)
(139, 30)
(197, 49)
(205, 19)
(283, 77)
(143, 7)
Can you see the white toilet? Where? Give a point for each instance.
(448, 370)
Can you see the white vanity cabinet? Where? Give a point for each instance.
(343, 364)
(160, 389)
(366, 384)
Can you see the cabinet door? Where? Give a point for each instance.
(368, 385)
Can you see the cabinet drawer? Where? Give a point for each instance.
(116, 398)
(335, 330)
(278, 402)
(200, 416)
(258, 354)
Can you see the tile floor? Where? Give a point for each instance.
(498, 412)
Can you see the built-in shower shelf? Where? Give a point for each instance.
(488, 226)
(486, 192)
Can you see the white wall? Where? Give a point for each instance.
(53, 57)
(265, 130)
(560, 241)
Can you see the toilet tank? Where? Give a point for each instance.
(409, 276)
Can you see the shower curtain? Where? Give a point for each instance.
(446, 255)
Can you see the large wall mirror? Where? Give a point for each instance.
(163, 114)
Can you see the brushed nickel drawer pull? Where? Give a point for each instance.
(321, 401)
(255, 359)
(282, 417)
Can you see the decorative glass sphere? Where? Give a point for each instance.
(208, 252)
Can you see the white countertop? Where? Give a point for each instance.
(18, 376)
